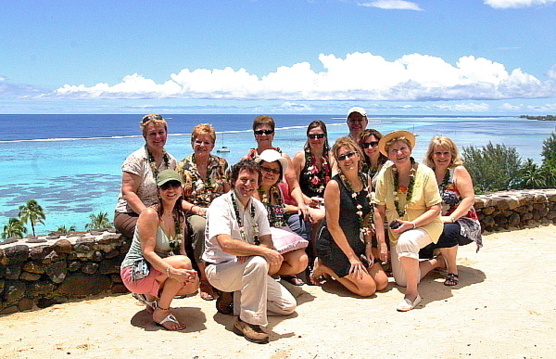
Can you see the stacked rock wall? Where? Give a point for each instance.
(38, 272)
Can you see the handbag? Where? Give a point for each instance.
(140, 269)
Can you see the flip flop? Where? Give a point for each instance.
(452, 280)
(294, 280)
(170, 318)
(207, 292)
(151, 305)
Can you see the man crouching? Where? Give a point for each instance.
(240, 255)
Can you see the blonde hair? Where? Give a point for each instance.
(447, 143)
(396, 139)
(203, 129)
(348, 142)
(154, 119)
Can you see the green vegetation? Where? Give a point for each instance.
(14, 228)
(539, 118)
(99, 220)
(31, 212)
(499, 168)
(64, 229)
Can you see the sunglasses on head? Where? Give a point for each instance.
(345, 156)
(148, 118)
(263, 132)
(370, 144)
(317, 135)
(170, 184)
(270, 170)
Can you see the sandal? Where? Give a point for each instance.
(170, 318)
(294, 280)
(452, 279)
(207, 292)
(151, 305)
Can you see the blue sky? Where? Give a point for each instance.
(452, 57)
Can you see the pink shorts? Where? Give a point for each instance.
(147, 285)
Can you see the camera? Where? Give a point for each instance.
(394, 224)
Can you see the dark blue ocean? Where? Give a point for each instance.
(71, 164)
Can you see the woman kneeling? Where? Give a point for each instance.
(150, 269)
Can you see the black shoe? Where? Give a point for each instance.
(225, 303)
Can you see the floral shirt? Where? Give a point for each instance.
(276, 212)
(253, 153)
(198, 191)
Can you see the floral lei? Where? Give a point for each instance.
(364, 223)
(442, 187)
(317, 179)
(175, 242)
(399, 189)
(266, 199)
(152, 161)
(196, 177)
(240, 224)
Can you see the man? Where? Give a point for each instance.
(239, 254)
(357, 122)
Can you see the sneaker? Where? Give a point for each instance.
(251, 332)
(406, 304)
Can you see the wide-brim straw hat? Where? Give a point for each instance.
(395, 134)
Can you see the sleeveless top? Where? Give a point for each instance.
(276, 212)
(348, 217)
(162, 247)
(451, 198)
(312, 181)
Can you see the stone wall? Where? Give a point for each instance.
(53, 269)
(509, 210)
(38, 272)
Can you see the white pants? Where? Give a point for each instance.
(259, 291)
(409, 244)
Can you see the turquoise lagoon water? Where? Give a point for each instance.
(71, 164)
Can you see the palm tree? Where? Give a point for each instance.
(31, 212)
(99, 220)
(14, 228)
(64, 229)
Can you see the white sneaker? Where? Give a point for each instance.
(406, 304)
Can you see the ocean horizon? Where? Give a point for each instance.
(70, 163)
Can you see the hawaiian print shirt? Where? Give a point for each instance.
(198, 191)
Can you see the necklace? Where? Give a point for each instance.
(275, 211)
(240, 222)
(152, 161)
(175, 242)
(444, 184)
(364, 222)
(317, 179)
(399, 189)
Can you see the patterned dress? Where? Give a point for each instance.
(312, 180)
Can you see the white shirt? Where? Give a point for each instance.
(221, 219)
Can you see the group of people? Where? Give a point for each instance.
(343, 213)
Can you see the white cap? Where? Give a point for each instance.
(359, 110)
(272, 155)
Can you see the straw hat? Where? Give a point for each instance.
(395, 134)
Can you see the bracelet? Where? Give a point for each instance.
(413, 225)
(168, 271)
(452, 218)
(369, 243)
(191, 210)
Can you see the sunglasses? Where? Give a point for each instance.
(270, 170)
(346, 156)
(315, 136)
(150, 117)
(263, 132)
(170, 184)
(370, 144)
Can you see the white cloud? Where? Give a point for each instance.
(464, 107)
(358, 76)
(393, 5)
(507, 4)
(510, 107)
(546, 108)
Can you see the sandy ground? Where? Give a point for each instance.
(504, 307)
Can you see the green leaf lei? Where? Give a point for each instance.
(240, 223)
(175, 242)
(364, 223)
(397, 189)
(152, 161)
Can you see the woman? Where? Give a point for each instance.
(374, 160)
(344, 245)
(289, 244)
(461, 224)
(139, 172)
(205, 177)
(151, 269)
(263, 128)
(407, 198)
